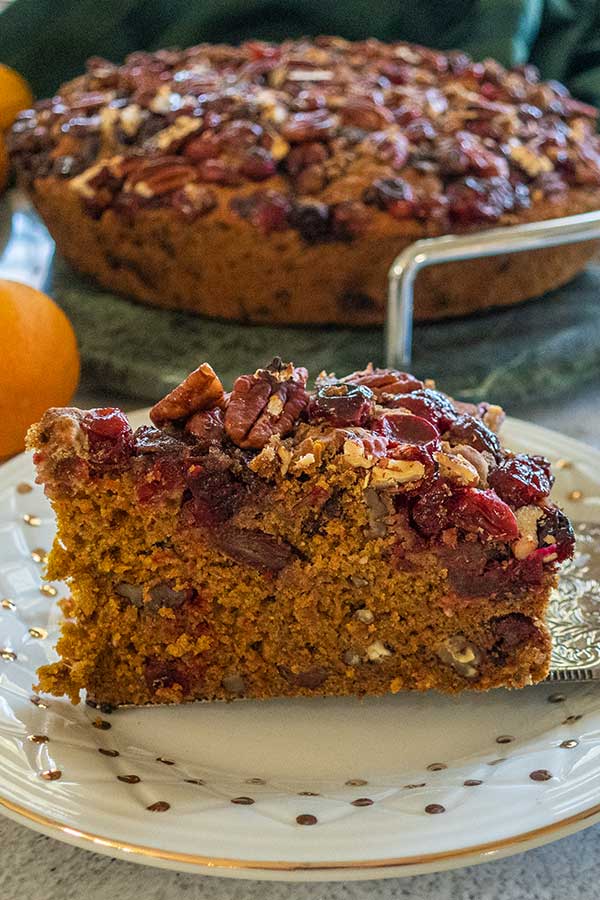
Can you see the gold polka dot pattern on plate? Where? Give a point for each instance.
(504, 739)
(101, 724)
(7, 603)
(38, 738)
(356, 782)
(540, 775)
(129, 779)
(556, 698)
(165, 762)
(496, 762)
(575, 495)
(436, 767)
(306, 819)
(569, 744)
(51, 774)
(308, 794)
(362, 801)
(48, 590)
(32, 520)
(194, 781)
(105, 751)
(39, 555)
(570, 720)
(159, 806)
(410, 787)
(39, 633)
(7, 655)
(472, 782)
(255, 781)
(243, 801)
(434, 809)
(24, 487)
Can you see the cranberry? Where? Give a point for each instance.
(554, 527)
(404, 428)
(396, 73)
(512, 631)
(258, 164)
(478, 200)
(392, 149)
(349, 219)
(468, 430)
(430, 405)
(391, 193)
(109, 436)
(312, 220)
(475, 510)
(215, 493)
(419, 130)
(266, 210)
(521, 480)
(465, 153)
(341, 405)
(430, 511)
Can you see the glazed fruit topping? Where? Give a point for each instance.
(341, 405)
(385, 383)
(521, 480)
(405, 428)
(475, 510)
(554, 529)
(430, 510)
(428, 404)
(109, 435)
(468, 430)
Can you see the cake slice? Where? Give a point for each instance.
(370, 535)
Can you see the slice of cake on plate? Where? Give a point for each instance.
(370, 535)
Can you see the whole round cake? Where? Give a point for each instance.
(276, 183)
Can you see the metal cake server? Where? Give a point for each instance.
(574, 611)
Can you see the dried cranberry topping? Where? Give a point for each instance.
(478, 200)
(428, 404)
(215, 493)
(512, 631)
(267, 210)
(392, 194)
(341, 405)
(475, 510)
(405, 428)
(312, 220)
(555, 528)
(471, 431)
(110, 436)
(521, 480)
(430, 510)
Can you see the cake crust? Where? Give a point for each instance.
(276, 183)
(363, 537)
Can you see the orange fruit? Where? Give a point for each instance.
(3, 164)
(39, 361)
(15, 95)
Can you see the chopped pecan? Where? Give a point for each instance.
(202, 389)
(160, 176)
(265, 404)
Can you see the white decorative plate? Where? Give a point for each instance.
(292, 790)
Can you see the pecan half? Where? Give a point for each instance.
(160, 176)
(384, 381)
(202, 389)
(265, 404)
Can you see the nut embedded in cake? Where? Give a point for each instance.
(366, 536)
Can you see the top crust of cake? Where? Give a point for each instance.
(428, 469)
(317, 136)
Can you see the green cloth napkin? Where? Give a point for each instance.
(48, 42)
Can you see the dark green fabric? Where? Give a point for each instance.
(49, 41)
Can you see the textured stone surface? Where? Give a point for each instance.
(34, 867)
